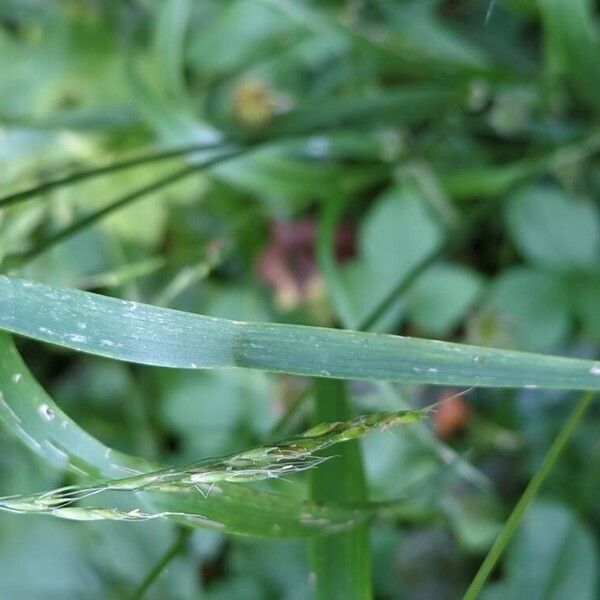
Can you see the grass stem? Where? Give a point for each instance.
(531, 491)
(176, 547)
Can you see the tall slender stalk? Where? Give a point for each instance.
(340, 563)
(176, 547)
(529, 495)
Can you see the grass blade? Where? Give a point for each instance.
(85, 174)
(178, 545)
(497, 180)
(150, 335)
(399, 106)
(571, 37)
(18, 260)
(341, 563)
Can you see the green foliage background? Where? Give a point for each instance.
(458, 148)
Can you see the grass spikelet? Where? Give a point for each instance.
(292, 455)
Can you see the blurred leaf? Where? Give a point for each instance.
(425, 48)
(554, 231)
(281, 566)
(573, 45)
(394, 106)
(533, 308)
(171, 25)
(585, 295)
(45, 561)
(121, 553)
(38, 76)
(283, 181)
(420, 34)
(473, 518)
(75, 259)
(441, 297)
(396, 234)
(217, 412)
(240, 34)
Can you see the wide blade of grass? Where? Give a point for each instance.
(150, 335)
(29, 413)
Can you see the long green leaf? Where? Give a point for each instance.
(18, 260)
(403, 106)
(93, 172)
(150, 335)
(572, 45)
(172, 22)
(475, 182)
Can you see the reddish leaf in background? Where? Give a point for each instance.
(451, 416)
(288, 265)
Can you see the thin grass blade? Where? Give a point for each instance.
(341, 563)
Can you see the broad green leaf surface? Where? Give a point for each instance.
(553, 557)
(171, 24)
(243, 32)
(441, 297)
(145, 334)
(33, 416)
(554, 231)
(532, 308)
(396, 235)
